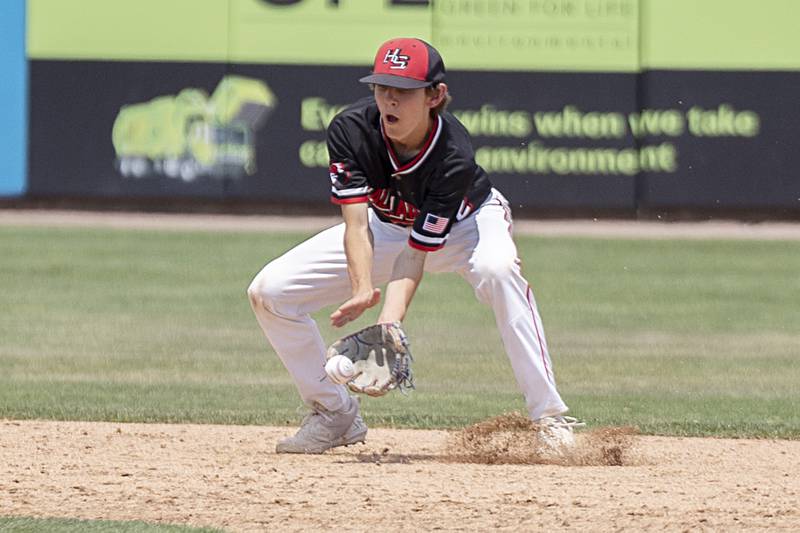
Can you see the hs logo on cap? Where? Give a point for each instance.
(398, 62)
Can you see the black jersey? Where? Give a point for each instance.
(440, 186)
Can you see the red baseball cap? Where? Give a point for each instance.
(406, 64)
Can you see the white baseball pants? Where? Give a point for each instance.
(479, 248)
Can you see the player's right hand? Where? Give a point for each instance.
(354, 307)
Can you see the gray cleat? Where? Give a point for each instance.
(322, 430)
(556, 432)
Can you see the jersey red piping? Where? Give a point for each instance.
(422, 247)
(352, 200)
(422, 153)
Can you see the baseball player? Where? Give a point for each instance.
(413, 199)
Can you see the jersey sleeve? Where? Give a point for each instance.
(441, 205)
(348, 182)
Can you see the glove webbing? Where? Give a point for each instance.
(401, 369)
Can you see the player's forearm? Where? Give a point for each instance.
(406, 276)
(358, 248)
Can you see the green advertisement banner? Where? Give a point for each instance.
(178, 30)
(321, 32)
(572, 104)
(529, 35)
(496, 35)
(720, 34)
(568, 35)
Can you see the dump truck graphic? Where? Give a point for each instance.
(190, 134)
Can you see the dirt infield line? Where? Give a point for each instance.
(230, 477)
(256, 223)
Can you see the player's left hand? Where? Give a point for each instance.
(354, 307)
(381, 359)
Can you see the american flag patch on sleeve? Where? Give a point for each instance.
(435, 224)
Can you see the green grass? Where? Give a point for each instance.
(677, 337)
(54, 525)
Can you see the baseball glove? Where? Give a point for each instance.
(381, 357)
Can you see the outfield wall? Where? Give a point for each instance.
(12, 97)
(599, 104)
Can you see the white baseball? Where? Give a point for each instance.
(340, 369)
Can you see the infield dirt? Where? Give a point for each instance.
(229, 477)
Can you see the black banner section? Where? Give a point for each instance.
(736, 134)
(124, 129)
(549, 140)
